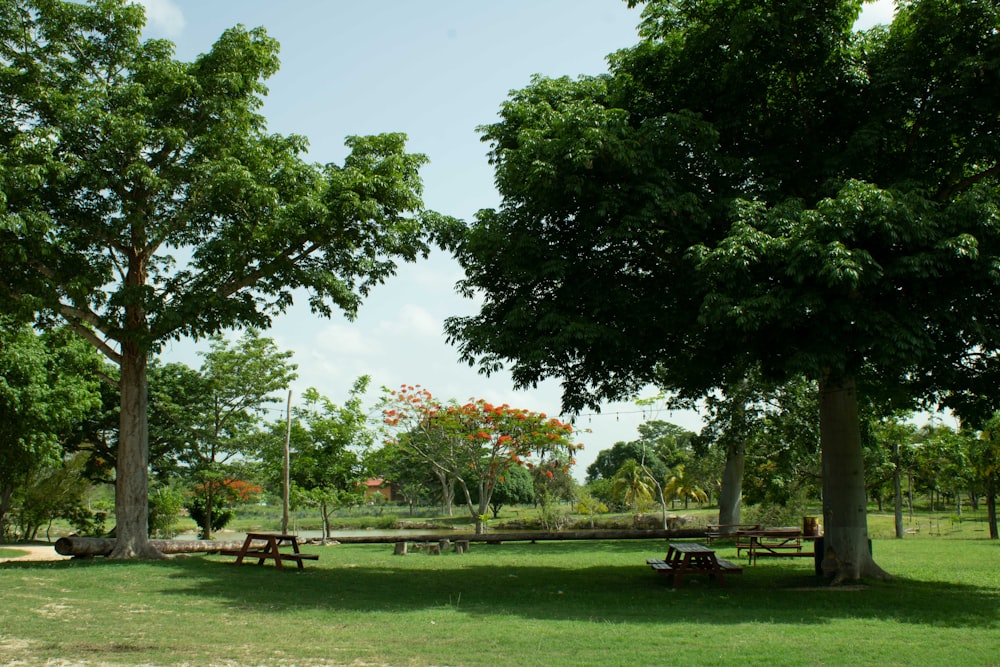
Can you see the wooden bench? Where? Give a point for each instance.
(662, 566)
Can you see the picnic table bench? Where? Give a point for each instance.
(715, 531)
(778, 542)
(684, 558)
(252, 548)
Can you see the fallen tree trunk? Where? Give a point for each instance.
(100, 546)
(525, 536)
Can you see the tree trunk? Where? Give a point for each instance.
(6, 493)
(991, 508)
(206, 530)
(447, 491)
(99, 546)
(731, 493)
(897, 488)
(132, 478)
(846, 557)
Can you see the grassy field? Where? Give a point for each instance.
(555, 603)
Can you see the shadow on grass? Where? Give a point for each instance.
(614, 593)
(618, 592)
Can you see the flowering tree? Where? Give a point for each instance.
(225, 493)
(476, 443)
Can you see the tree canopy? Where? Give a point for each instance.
(755, 184)
(143, 199)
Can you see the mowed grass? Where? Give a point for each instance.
(551, 603)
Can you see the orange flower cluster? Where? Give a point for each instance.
(500, 431)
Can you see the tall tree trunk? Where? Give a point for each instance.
(132, 479)
(447, 491)
(991, 508)
(846, 556)
(897, 488)
(6, 493)
(731, 493)
(206, 530)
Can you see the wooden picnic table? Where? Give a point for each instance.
(269, 550)
(716, 531)
(685, 558)
(781, 542)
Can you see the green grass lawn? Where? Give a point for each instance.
(553, 603)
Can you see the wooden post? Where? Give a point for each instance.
(461, 546)
(286, 488)
(400, 549)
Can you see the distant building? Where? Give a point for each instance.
(378, 486)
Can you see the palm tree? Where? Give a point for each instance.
(678, 487)
(633, 485)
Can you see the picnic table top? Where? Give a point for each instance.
(690, 548)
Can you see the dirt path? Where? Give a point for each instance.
(36, 552)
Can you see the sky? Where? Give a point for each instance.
(435, 70)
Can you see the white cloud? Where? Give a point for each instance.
(875, 13)
(344, 340)
(164, 18)
(412, 320)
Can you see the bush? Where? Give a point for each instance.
(220, 515)
(767, 514)
(164, 507)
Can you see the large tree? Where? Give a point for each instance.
(143, 199)
(756, 183)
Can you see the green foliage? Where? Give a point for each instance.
(516, 487)
(588, 505)
(634, 486)
(165, 504)
(55, 491)
(221, 516)
(475, 444)
(609, 461)
(327, 445)
(48, 383)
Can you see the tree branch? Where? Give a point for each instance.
(950, 191)
(76, 317)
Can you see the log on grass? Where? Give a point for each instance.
(528, 536)
(101, 546)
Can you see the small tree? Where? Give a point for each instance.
(514, 488)
(328, 443)
(227, 493)
(237, 381)
(589, 505)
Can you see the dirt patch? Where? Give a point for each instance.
(36, 552)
